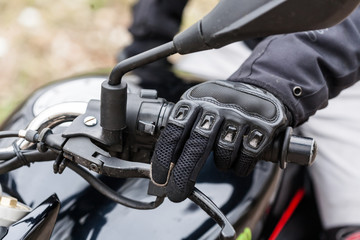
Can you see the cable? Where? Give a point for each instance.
(19, 155)
(7, 153)
(10, 165)
(35, 156)
(111, 194)
(6, 134)
(14, 150)
(30, 156)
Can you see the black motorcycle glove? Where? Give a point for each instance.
(235, 120)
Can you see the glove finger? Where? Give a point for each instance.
(228, 144)
(245, 164)
(170, 142)
(250, 152)
(195, 152)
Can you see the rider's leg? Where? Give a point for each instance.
(336, 171)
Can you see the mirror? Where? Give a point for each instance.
(236, 20)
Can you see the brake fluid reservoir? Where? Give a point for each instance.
(11, 210)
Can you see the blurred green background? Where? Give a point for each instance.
(45, 40)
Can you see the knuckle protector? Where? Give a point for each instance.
(183, 113)
(228, 143)
(256, 108)
(249, 101)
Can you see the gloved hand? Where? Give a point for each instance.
(235, 120)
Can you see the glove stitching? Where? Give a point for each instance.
(236, 107)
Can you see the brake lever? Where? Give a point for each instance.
(227, 230)
(98, 160)
(111, 194)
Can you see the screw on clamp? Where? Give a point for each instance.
(90, 121)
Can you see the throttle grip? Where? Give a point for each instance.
(292, 149)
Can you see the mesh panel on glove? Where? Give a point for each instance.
(193, 151)
(167, 144)
(222, 158)
(245, 164)
(164, 152)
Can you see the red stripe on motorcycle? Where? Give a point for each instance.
(288, 212)
(354, 236)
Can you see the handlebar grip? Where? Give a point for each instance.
(301, 150)
(292, 149)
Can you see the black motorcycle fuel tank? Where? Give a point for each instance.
(86, 214)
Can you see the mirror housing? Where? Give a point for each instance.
(260, 18)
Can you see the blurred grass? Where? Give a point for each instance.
(44, 40)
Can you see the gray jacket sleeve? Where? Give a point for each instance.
(305, 69)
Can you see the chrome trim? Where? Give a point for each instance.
(52, 117)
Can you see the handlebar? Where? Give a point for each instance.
(104, 152)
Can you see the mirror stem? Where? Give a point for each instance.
(141, 59)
